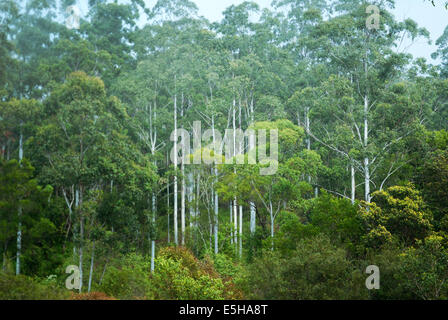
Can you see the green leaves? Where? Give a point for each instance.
(401, 211)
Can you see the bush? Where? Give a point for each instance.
(21, 287)
(179, 275)
(130, 281)
(316, 270)
(91, 296)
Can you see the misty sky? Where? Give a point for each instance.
(434, 19)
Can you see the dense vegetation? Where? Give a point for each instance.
(86, 177)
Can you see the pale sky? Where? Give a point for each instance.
(434, 19)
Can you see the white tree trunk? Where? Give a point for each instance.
(168, 205)
(216, 202)
(231, 221)
(235, 221)
(252, 218)
(176, 239)
(182, 214)
(241, 232)
(366, 142)
(19, 211)
(190, 197)
(91, 267)
(353, 194)
(153, 241)
(271, 214)
(81, 240)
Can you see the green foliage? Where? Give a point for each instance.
(424, 270)
(398, 211)
(179, 275)
(92, 109)
(316, 270)
(25, 288)
(338, 219)
(130, 281)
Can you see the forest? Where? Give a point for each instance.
(102, 199)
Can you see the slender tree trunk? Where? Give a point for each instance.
(104, 271)
(19, 211)
(176, 239)
(252, 218)
(216, 234)
(5, 258)
(153, 137)
(271, 213)
(241, 233)
(153, 240)
(216, 202)
(235, 221)
(191, 200)
(231, 221)
(366, 141)
(198, 193)
(235, 206)
(307, 130)
(91, 266)
(168, 202)
(182, 168)
(182, 217)
(81, 240)
(353, 195)
(366, 134)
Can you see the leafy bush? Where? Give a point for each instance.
(400, 211)
(424, 269)
(179, 275)
(21, 287)
(316, 270)
(91, 296)
(130, 281)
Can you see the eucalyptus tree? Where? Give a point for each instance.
(367, 57)
(16, 118)
(442, 52)
(8, 12)
(85, 150)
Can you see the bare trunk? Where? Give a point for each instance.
(81, 240)
(231, 221)
(235, 221)
(241, 232)
(366, 141)
(252, 218)
(353, 195)
(216, 202)
(176, 239)
(168, 202)
(153, 240)
(307, 130)
(271, 214)
(19, 211)
(182, 215)
(91, 266)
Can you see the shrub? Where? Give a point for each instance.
(130, 281)
(21, 287)
(91, 296)
(179, 275)
(316, 270)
